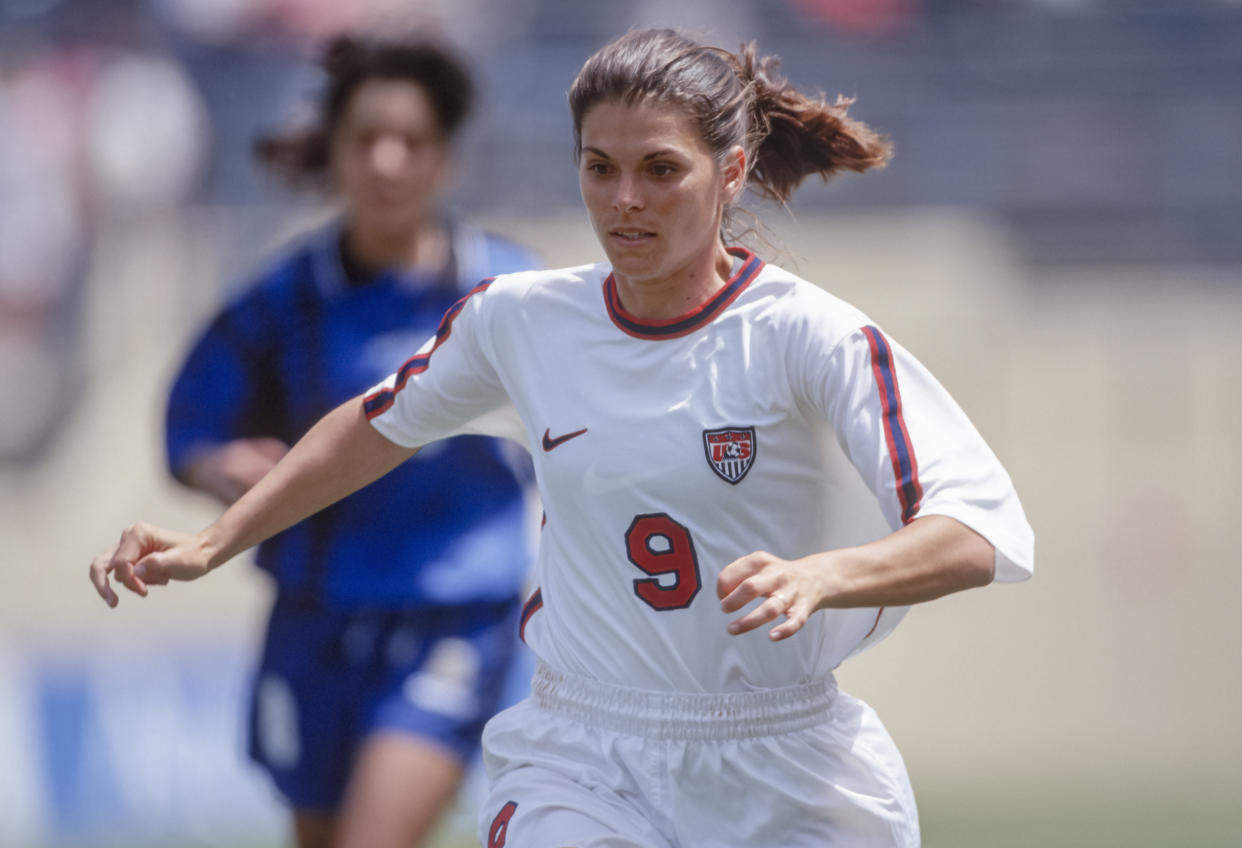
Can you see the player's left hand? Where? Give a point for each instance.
(790, 588)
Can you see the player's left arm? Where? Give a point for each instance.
(956, 519)
(926, 559)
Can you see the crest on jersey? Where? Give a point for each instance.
(730, 451)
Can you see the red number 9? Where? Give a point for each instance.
(660, 546)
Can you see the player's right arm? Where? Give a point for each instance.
(339, 455)
(226, 422)
(227, 471)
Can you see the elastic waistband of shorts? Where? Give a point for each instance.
(682, 715)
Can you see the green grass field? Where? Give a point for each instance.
(1090, 817)
(1085, 820)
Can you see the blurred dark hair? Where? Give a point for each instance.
(349, 61)
(733, 99)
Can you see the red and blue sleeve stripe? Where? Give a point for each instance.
(900, 450)
(380, 402)
(533, 605)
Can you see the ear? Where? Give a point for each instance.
(733, 174)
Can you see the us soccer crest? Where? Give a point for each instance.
(730, 451)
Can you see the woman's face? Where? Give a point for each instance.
(390, 158)
(653, 191)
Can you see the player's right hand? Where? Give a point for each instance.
(149, 556)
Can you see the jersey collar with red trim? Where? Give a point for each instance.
(694, 319)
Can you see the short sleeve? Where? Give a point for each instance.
(450, 386)
(226, 388)
(913, 445)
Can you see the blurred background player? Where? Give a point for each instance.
(394, 619)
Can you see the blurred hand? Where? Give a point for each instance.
(149, 556)
(792, 588)
(230, 470)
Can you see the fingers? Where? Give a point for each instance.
(119, 564)
(99, 577)
(749, 577)
(775, 583)
(796, 614)
(771, 608)
(775, 605)
(129, 550)
(735, 573)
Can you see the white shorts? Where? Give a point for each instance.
(586, 764)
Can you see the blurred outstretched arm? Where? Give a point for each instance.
(339, 455)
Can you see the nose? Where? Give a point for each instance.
(629, 195)
(388, 154)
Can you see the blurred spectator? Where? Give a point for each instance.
(91, 132)
(43, 233)
(148, 135)
(861, 17)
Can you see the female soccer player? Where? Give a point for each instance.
(394, 616)
(676, 399)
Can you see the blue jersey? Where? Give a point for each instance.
(446, 527)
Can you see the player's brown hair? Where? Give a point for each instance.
(734, 99)
(304, 154)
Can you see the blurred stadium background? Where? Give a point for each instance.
(1059, 238)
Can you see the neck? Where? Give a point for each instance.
(422, 248)
(665, 298)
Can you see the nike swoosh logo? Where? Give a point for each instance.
(550, 443)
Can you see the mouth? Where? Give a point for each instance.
(386, 199)
(632, 235)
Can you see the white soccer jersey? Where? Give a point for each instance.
(664, 451)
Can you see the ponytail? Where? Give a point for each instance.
(793, 136)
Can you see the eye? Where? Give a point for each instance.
(420, 141)
(361, 137)
(598, 168)
(662, 169)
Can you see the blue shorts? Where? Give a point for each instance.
(331, 678)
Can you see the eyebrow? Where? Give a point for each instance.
(654, 155)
